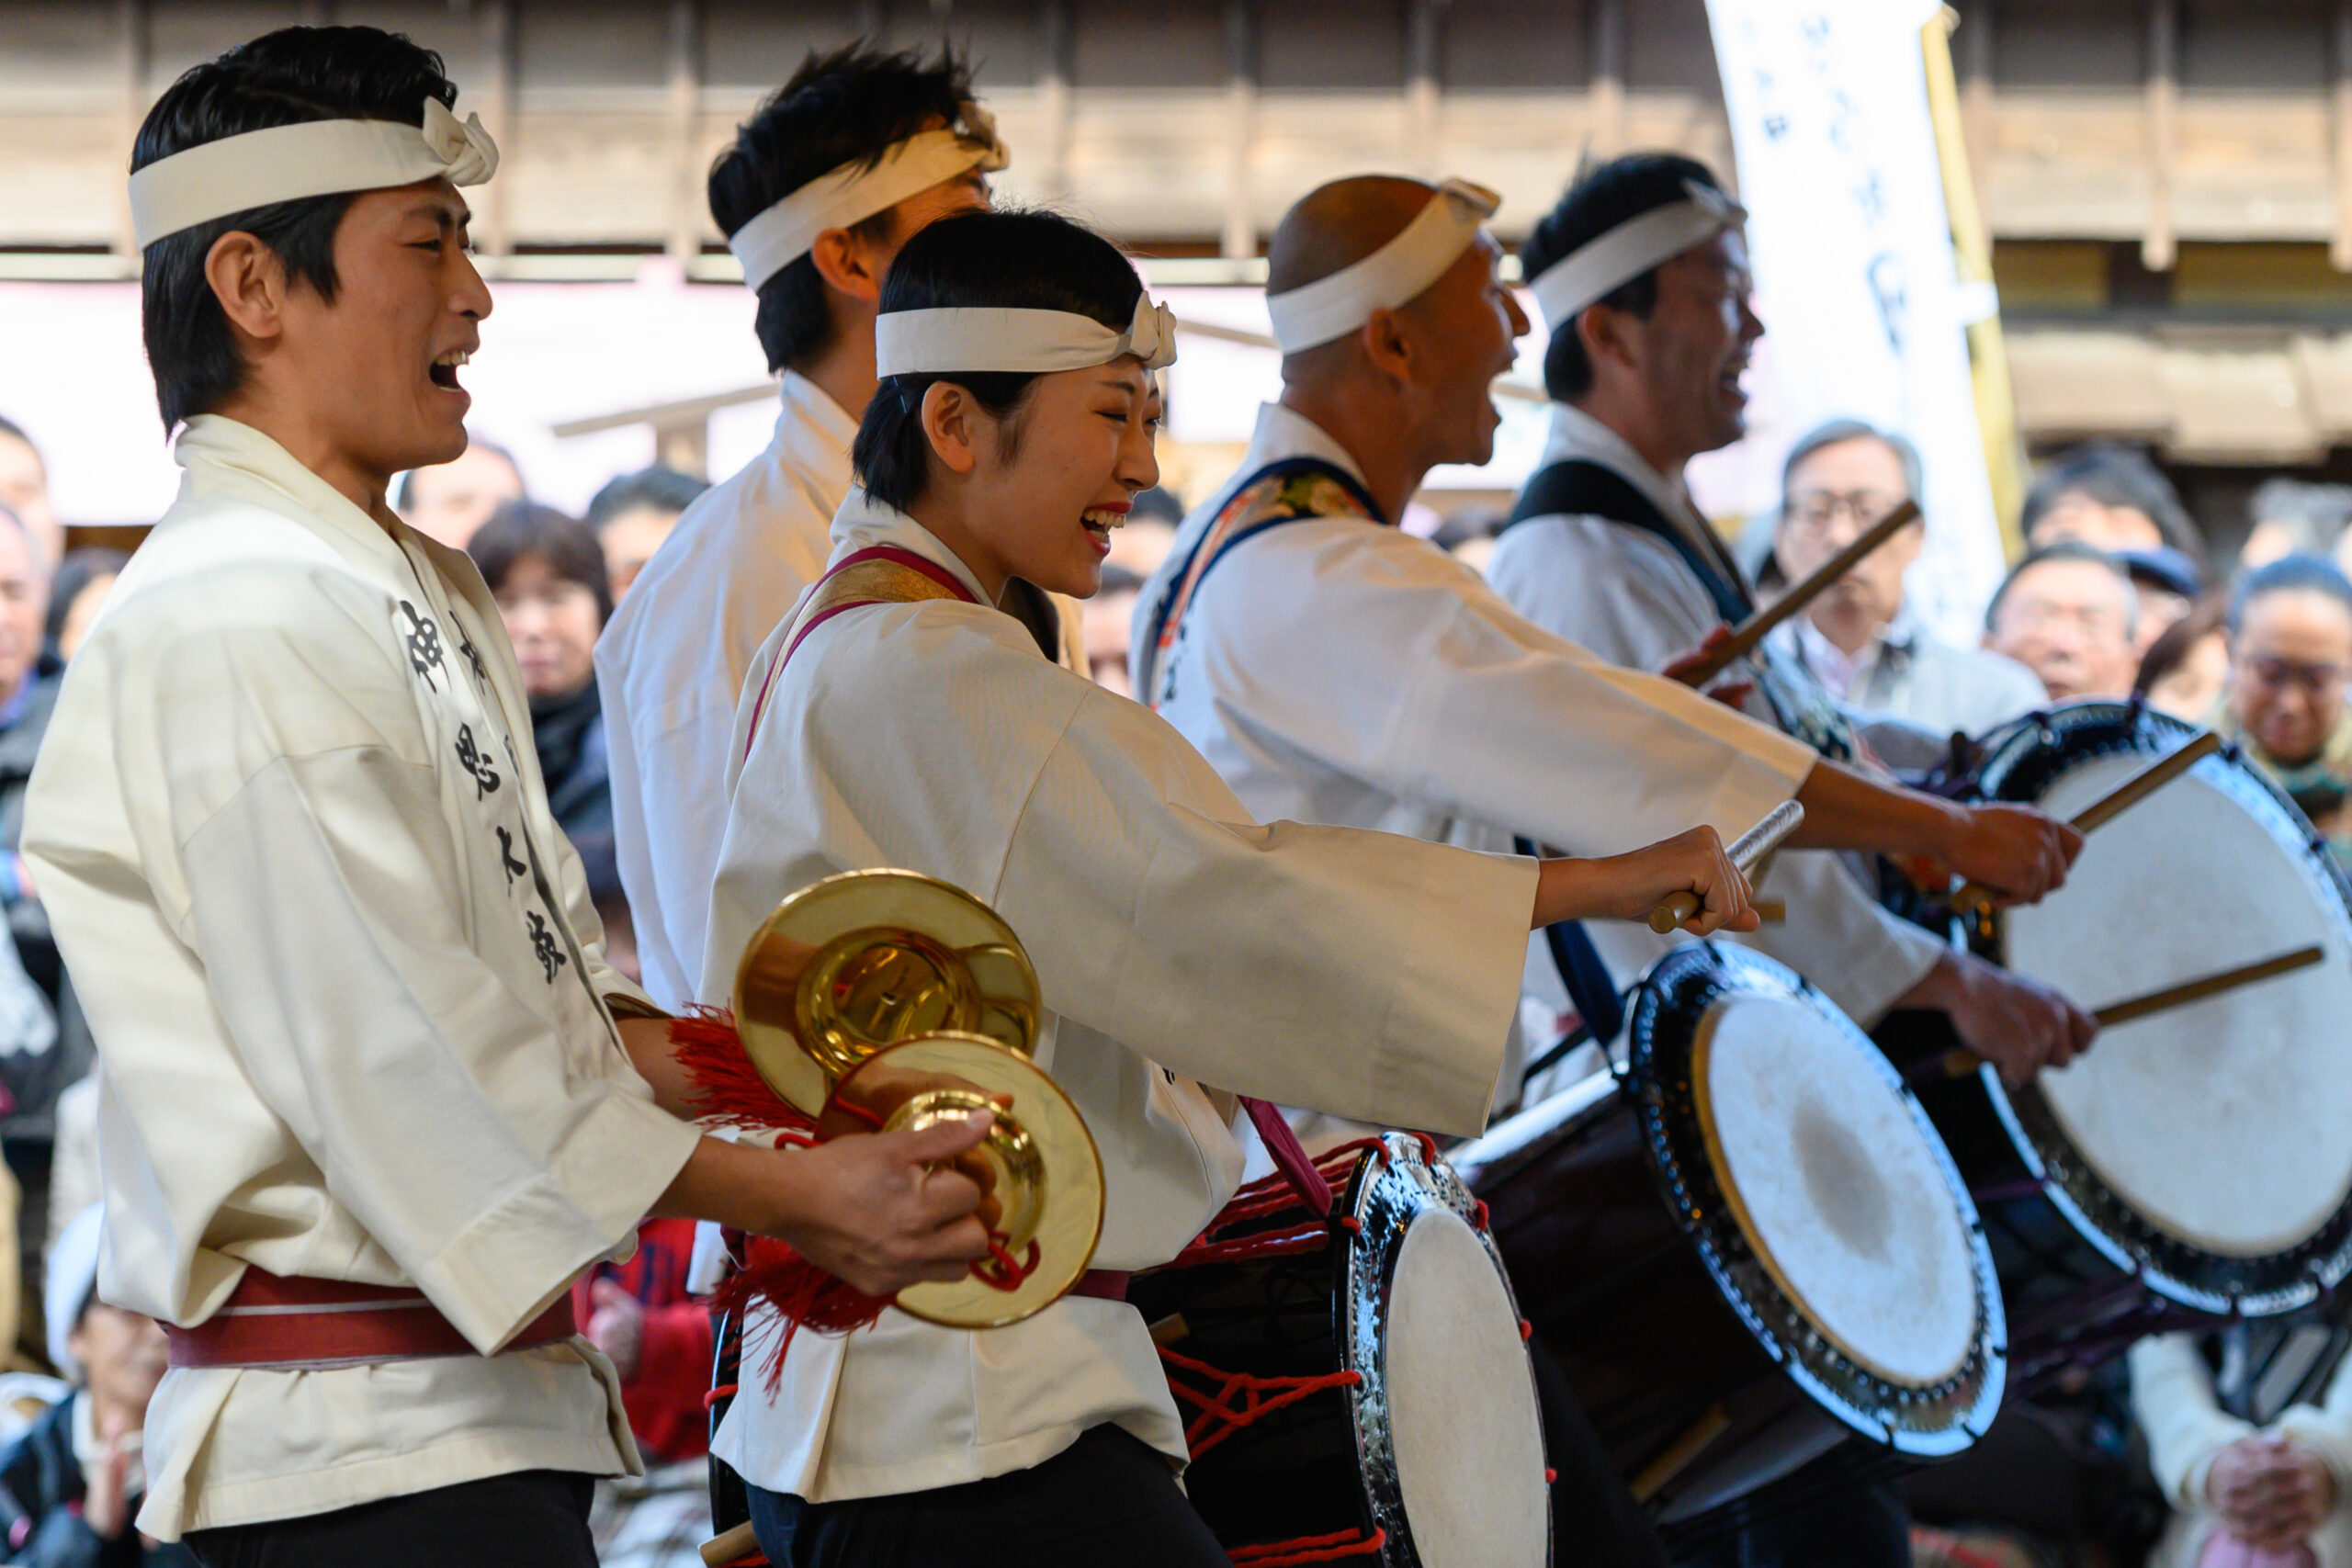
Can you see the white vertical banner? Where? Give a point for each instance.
(1864, 310)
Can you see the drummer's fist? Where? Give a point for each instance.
(2270, 1491)
(887, 1210)
(2019, 1026)
(2016, 850)
(1629, 887)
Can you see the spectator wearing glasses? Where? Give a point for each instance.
(2068, 613)
(1858, 637)
(2290, 654)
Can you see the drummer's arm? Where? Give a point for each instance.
(1628, 886)
(2013, 849)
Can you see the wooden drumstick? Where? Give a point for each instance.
(2209, 986)
(1759, 625)
(1959, 1062)
(1976, 895)
(721, 1549)
(1746, 851)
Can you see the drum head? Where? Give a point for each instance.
(1819, 1197)
(1459, 1396)
(1839, 1191)
(2221, 1121)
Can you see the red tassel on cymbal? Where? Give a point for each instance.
(731, 1091)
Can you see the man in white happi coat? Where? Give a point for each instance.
(852, 156)
(1336, 669)
(365, 1111)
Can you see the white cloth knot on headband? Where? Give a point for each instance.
(1316, 313)
(1609, 261)
(977, 340)
(319, 157)
(855, 192)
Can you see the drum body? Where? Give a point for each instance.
(1359, 1385)
(2197, 1156)
(1753, 1248)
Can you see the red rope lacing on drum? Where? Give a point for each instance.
(1236, 1400)
(1309, 1549)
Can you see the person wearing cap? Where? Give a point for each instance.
(827, 180)
(70, 1483)
(900, 717)
(1336, 669)
(2169, 584)
(367, 1094)
(1859, 638)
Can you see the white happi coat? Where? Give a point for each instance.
(1337, 671)
(1627, 595)
(345, 981)
(671, 662)
(1173, 935)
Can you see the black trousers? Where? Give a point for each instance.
(536, 1519)
(1107, 1500)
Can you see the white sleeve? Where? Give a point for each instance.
(1621, 595)
(1367, 974)
(2172, 1394)
(2327, 1429)
(1413, 676)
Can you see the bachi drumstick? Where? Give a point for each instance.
(1976, 895)
(1746, 851)
(721, 1549)
(2198, 990)
(1759, 625)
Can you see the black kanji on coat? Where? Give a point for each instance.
(477, 762)
(545, 947)
(422, 642)
(514, 867)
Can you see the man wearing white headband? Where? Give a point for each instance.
(367, 1110)
(835, 172)
(1642, 274)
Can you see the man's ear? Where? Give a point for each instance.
(950, 422)
(1608, 336)
(850, 265)
(249, 279)
(1387, 345)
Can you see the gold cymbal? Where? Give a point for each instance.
(1048, 1174)
(866, 960)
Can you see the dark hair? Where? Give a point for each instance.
(2288, 574)
(2114, 475)
(77, 572)
(846, 106)
(288, 77)
(2066, 550)
(2174, 644)
(1617, 192)
(520, 529)
(405, 496)
(656, 489)
(10, 427)
(1013, 261)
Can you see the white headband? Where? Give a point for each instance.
(910, 342)
(1313, 313)
(853, 193)
(1609, 261)
(320, 157)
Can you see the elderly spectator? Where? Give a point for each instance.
(2068, 613)
(2290, 654)
(1857, 638)
(44, 1043)
(449, 501)
(70, 1486)
(633, 513)
(2185, 671)
(24, 489)
(2272, 1495)
(2111, 498)
(547, 574)
(83, 581)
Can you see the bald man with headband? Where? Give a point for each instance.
(1337, 670)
